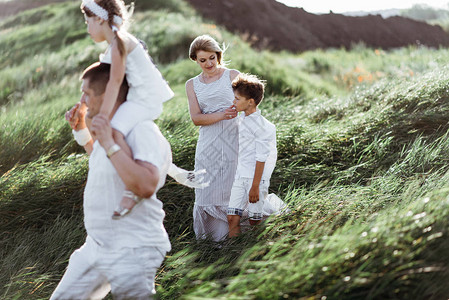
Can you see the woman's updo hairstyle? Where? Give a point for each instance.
(208, 44)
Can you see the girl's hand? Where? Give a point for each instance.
(230, 113)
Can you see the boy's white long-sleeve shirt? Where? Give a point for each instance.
(257, 142)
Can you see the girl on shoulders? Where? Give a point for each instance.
(105, 21)
(127, 56)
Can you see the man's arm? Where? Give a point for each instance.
(139, 177)
(76, 117)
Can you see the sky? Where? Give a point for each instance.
(339, 6)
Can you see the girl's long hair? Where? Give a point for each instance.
(114, 8)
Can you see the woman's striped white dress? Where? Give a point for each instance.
(217, 152)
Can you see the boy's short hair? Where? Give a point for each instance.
(249, 86)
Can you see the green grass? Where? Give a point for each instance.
(362, 141)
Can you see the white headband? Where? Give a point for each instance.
(100, 11)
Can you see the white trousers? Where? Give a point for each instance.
(240, 198)
(94, 271)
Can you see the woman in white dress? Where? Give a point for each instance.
(210, 98)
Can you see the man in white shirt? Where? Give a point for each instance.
(257, 154)
(121, 256)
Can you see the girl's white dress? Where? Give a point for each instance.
(217, 152)
(147, 90)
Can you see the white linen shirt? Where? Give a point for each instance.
(257, 142)
(143, 226)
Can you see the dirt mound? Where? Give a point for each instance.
(268, 23)
(10, 8)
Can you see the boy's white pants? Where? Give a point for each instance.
(94, 271)
(240, 198)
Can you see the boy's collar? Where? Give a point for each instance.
(257, 112)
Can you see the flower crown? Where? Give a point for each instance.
(100, 11)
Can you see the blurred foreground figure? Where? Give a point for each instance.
(122, 255)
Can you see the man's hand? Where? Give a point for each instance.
(76, 116)
(102, 131)
(254, 194)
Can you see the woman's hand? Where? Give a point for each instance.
(230, 113)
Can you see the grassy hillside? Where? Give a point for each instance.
(426, 13)
(363, 146)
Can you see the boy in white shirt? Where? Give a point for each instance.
(257, 154)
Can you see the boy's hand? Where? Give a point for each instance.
(254, 194)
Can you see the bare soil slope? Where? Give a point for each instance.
(13, 7)
(271, 24)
